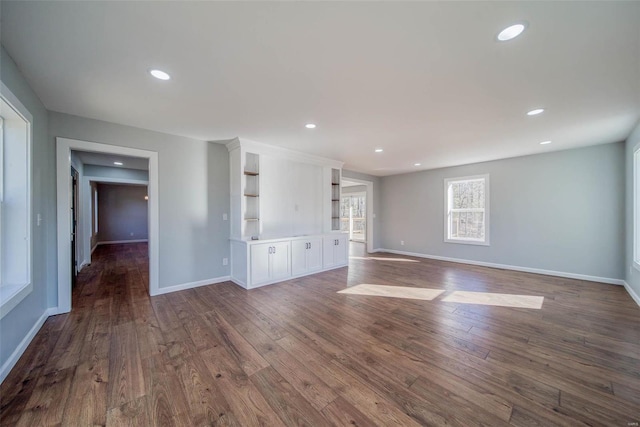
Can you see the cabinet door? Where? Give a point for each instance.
(341, 251)
(298, 257)
(260, 257)
(280, 261)
(328, 244)
(314, 255)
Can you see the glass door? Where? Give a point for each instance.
(353, 216)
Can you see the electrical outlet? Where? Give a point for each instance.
(225, 261)
(224, 216)
(401, 242)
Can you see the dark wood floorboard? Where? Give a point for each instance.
(299, 353)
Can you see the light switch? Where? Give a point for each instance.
(224, 216)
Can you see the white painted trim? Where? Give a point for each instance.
(512, 267)
(266, 149)
(19, 351)
(631, 292)
(18, 107)
(114, 242)
(487, 211)
(16, 294)
(63, 163)
(94, 248)
(239, 283)
(370, 212)
(190, 285)
(83, 265)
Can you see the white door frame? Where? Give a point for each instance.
(63, 165)
(369, 213)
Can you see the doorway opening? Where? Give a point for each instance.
(353, 216)
(76, 251)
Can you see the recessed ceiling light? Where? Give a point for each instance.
(417, 164)
(159, 74)
(545, 142)
(511, 32)
(535, 112)
(118, 163)
(378, 150)
(310, 126)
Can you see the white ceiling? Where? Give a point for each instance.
(426, 81)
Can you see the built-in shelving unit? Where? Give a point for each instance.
(251, 191)
(284, 213)
(335, 199)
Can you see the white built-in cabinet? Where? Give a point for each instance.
(335, 250)
(285, 214)
(306, 256)
(269, 262)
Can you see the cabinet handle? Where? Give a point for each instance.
(274, 249)
(309, 245)
(337, 242)
(270, 249)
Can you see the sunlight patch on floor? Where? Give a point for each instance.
(377, 258)
(393, 291)
(460, 297)
(500, 300)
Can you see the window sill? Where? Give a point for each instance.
(11, 295)
(467, 242)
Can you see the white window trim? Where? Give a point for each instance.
(487, 213)
(636, 208)
(11, 296)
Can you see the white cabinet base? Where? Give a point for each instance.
(256, 263)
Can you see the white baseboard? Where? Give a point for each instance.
(239, 283)
(631, 292)
(113, 242)
(83, 265)
(512, 267)
(94, 248)
(377, 250)
(183, 286)
(15, 356)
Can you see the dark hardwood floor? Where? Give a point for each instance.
(299, 353)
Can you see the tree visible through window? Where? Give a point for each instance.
(467, 210)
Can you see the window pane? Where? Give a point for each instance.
(468, 194)
(467, 225)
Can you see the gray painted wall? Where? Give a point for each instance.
(17, 323)
(193, 194)
(561, 211)
(122, 212)
(113, 172)
(632, 275)
(376, 222)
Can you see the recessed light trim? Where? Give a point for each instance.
(159, 74)
(310, 126)
(545, 142)
(535, 112)
(417, 164)
(118, 163)
(511, 32)
(378, 150)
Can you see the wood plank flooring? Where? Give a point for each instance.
(300, 353)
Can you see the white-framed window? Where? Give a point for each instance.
(636, 207)
(466, 210)
(15, 201)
